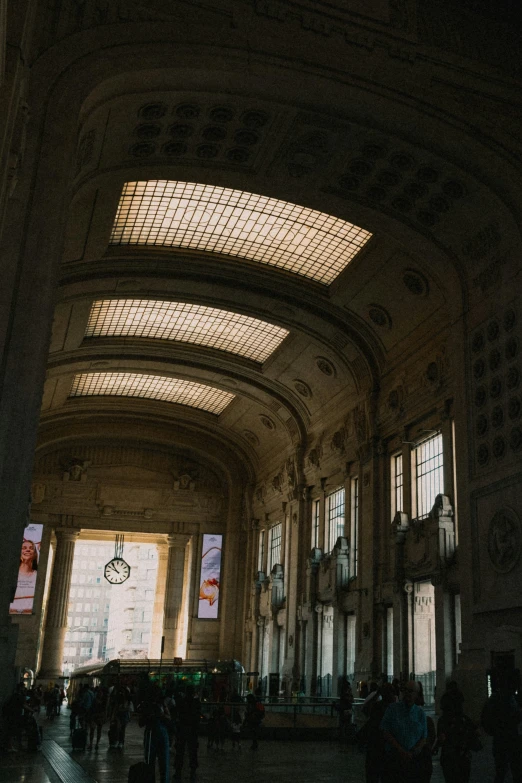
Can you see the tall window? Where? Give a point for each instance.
(276, 534)
(261, 551)
(428, 472)
(354, 524)
(315, 522)
(397, 484)
(335, 510)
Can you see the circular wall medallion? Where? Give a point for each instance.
(482, 425)
(379, 316)
(174, 148)
(251, 437)
(415, 190)
(432, 372)
(477, 343)
(326, 366)
(302, 388)
(187, 111)
(515, 438)
(402, 161)
(267, 422)
(510, 319)
(147, 130)
(415, 282)
(207, 151)
(514, 408)
(481, 396)
(495, 357)
(142, 149)
(427, 174)
(254, 119)
(493, 330)
(511, 348)
(513, 378)
(214, 133)
(497, 416)
(453, 189)
(246, 137)
(152, 111)
(504, 540)
(495, 387)
(483, 454)
(479, 368)
(499, 447)
(181, 130)
(221, 114)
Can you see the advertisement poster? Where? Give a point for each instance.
(29, 557)
(210, 577)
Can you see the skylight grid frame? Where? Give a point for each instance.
(189, 323)
(246, 225)
(429, 474)
(153, 387)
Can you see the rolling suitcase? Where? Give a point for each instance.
(79, 738)
(143, 771)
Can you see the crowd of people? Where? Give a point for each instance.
(398, 737)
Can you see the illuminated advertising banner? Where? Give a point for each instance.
(210, 577)
(29, 557)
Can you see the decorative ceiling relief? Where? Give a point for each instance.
(416, 282)
(495, 376)
(193, 129)
(504, 540)
(326, 367)
(267, 422)
(302, 388)
(379, 316)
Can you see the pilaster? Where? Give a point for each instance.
(174, 593)
(56, 621)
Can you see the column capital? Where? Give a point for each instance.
(177, 540)
(66, 533)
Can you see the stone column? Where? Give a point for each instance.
(56, 621)
(174, 593)
(159, 602)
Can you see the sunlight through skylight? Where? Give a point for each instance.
(235, 223)
(153, 387)
(187, 323)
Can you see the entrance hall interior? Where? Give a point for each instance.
(261, 313)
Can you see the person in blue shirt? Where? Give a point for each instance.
(405, 732)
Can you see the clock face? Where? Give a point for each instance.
(116, 571)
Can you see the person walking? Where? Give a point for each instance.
(97, 716)
(405, 733)
(457, 736)
(188, 709)
(121, 714)
(375, 738)
(254, 714)
(501, 718)
(154, 716)
(345, 707)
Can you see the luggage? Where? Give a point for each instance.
(79, 738)
(143, 771)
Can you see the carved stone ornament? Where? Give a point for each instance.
(76, 470)
(326, 367)
(267, 422)
(37, 493)
(504, 540)
(302, 388)
(337, 442)
(360, 423)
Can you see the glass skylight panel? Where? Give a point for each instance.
(188, 323)
(235, 223)
(153, 387)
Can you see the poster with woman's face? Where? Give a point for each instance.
(27, 572)
(210, 577)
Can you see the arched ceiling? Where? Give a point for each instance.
(134, 294)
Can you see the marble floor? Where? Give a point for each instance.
(284, 762)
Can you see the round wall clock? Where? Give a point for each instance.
(116, 571)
